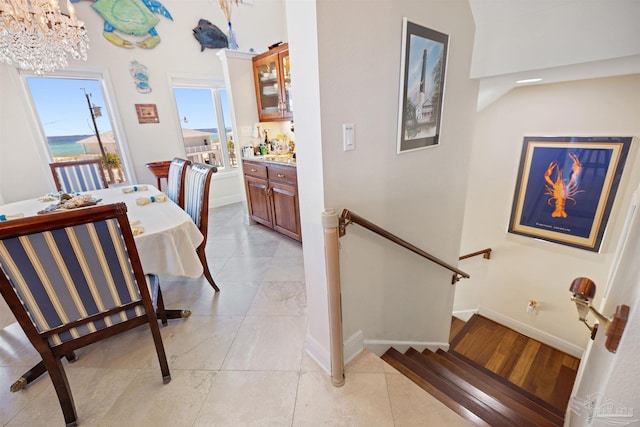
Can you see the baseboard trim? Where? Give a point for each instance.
(464, 315)
(353, 346)
(532, 332)
(319, 354)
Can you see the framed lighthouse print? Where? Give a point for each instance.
(566, 187)
(423, 69)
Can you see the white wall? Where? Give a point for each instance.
(305, 79)
(388, 293)
(532, 35)
(178, 53)
(522, 268)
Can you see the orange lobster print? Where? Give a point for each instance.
(560, 191)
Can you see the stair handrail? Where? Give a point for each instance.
(486, 254)
(349, 217)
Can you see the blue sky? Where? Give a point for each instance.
(63, 110)
(62, 105)
(197, 106)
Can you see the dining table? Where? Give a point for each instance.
(165, 235)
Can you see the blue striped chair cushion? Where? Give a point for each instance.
(174, 180)
(80, 177)
(70, 274)
(194, 191)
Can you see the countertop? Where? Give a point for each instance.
(272, 158)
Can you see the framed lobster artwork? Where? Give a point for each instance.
(566, 187)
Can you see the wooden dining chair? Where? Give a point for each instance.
(80, 175)
(72, 279)
(175, 180)
(196, 204)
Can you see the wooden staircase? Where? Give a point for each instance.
(473, 391)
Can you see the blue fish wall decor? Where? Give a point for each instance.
(210, 36)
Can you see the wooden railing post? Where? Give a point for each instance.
(330, 224)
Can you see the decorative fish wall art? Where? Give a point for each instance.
(210, 36)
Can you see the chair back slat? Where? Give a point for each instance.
(84, 175)
(71, 273)
(196, 193)
(175, 180)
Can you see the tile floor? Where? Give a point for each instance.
(239, 360)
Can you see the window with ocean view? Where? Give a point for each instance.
(205, 119)
(73, 119)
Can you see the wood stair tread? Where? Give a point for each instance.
(470, 392)
(533, 413)
(515, 413)
(422, 377)
(505, 386)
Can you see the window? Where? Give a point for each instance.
(205, 118)
(75, 123)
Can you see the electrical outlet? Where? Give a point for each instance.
(532, 306)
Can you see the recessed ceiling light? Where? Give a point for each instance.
(528, 81)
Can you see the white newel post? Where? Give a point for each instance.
(330, 224)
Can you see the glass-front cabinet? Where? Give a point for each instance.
(272, 76)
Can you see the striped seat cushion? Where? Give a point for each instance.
(72, 273)
(84, 177)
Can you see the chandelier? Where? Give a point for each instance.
(36, 35)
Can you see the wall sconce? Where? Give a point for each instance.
(583, 290)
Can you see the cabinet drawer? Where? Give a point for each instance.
(254, 169)
(285, 174)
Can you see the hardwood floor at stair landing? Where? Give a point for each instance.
(535, 367)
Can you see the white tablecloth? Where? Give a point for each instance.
(168, 244)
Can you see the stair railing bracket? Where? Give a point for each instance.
(343, 221)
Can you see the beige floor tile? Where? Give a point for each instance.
(244, 269)
(285, 269)
(288, 247)
(280, 299)
(15, 348)
(256, 248)
(12, 403)
(362, 401)
(250, 398)
(234, 298)
(366, 362)
(200, 342)
(133, 349)
(411, 406)
(149, 402)
(268, 343)
(93, 391)
(309, 365)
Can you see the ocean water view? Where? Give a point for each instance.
(65, 146)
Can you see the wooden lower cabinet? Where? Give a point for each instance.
(272, 197)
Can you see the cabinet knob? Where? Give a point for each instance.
(281, 175)
(254, 170)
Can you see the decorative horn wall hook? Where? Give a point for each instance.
(583, 290)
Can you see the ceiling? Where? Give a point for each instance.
(554, 40)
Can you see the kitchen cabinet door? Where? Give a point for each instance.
(258, 200)
(286, 217)
(272, 78)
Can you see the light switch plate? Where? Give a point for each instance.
(348, 136)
